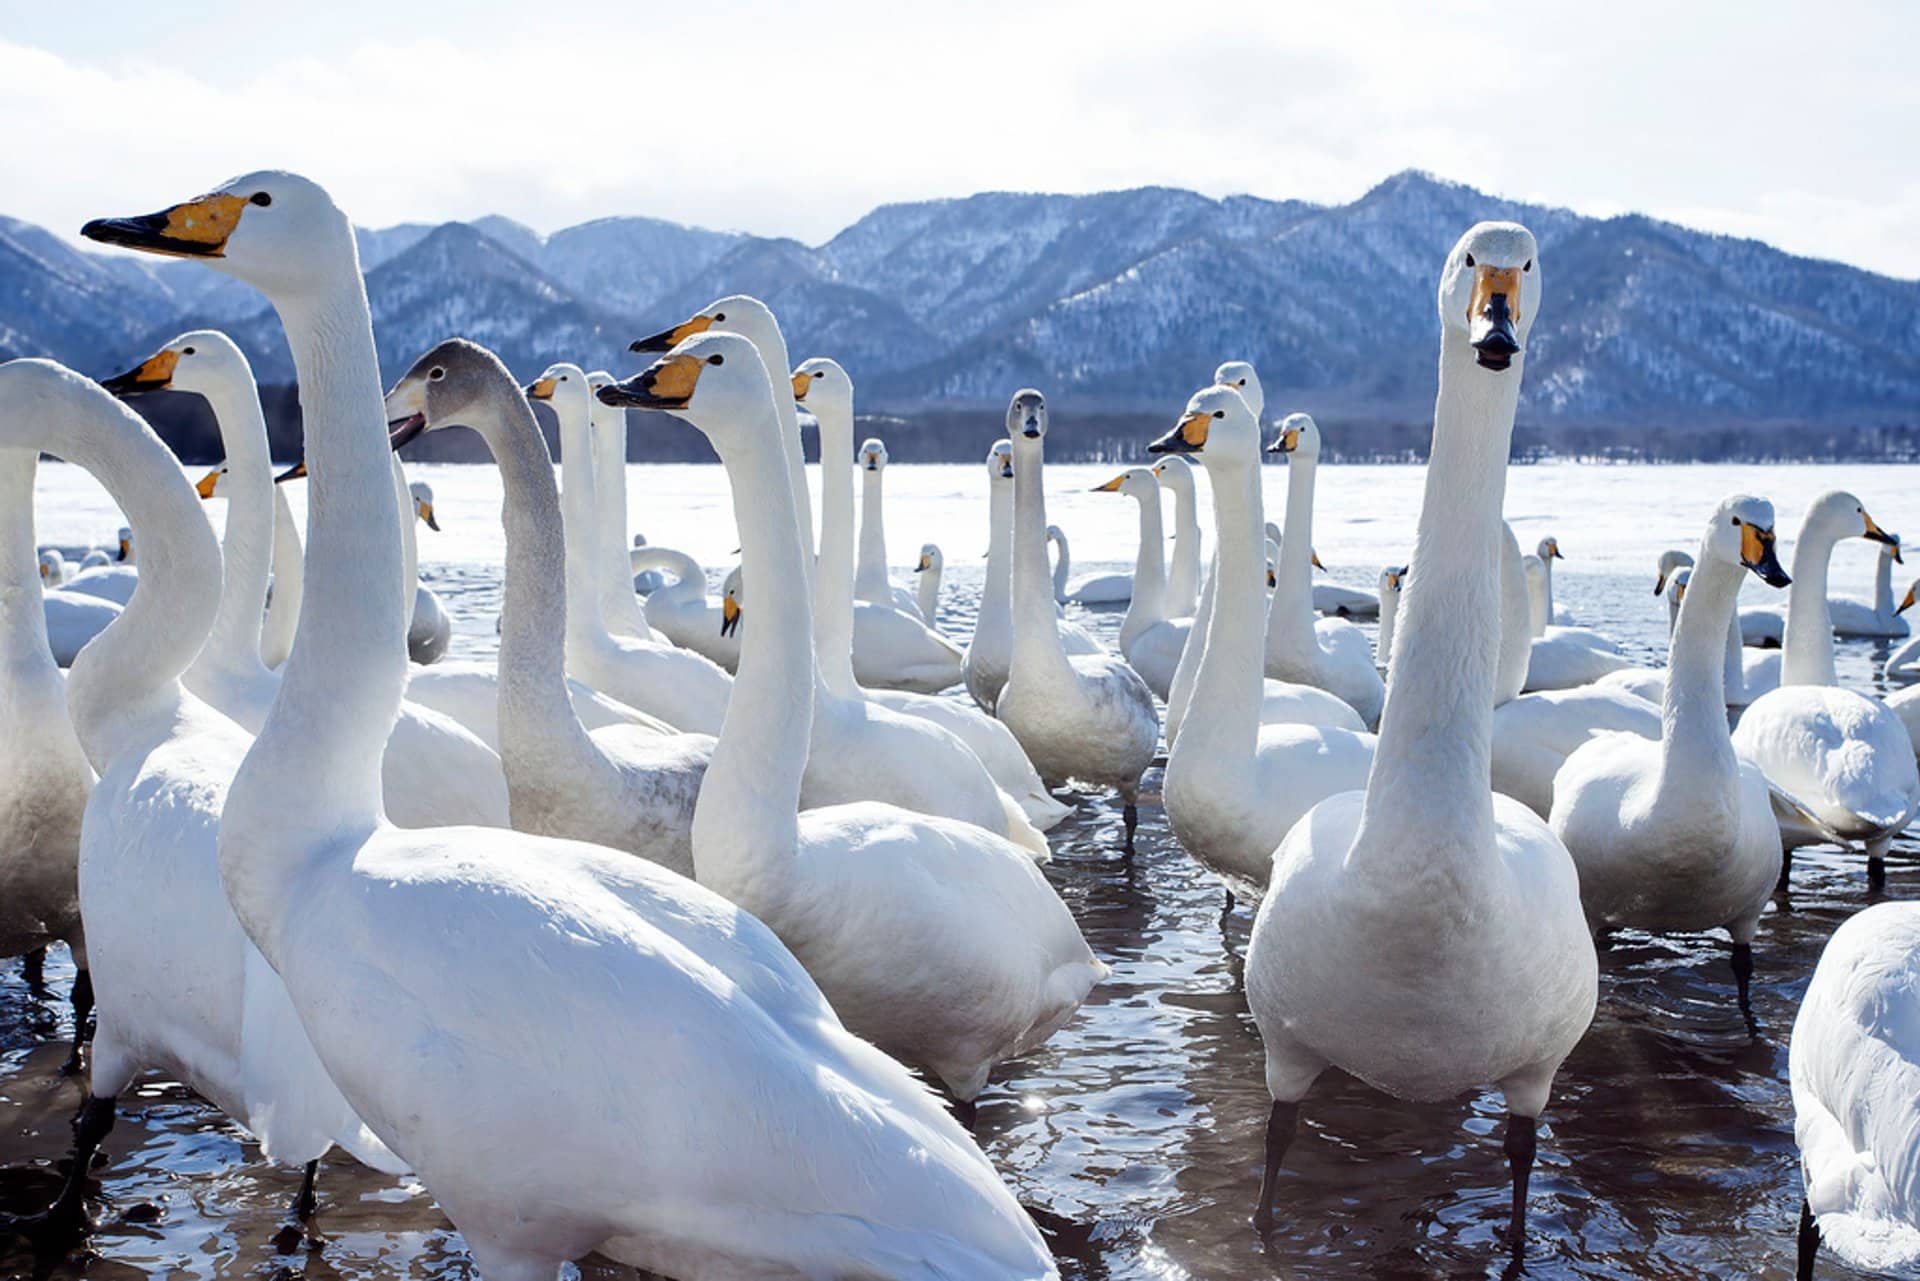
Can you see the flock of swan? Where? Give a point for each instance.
(627, 942)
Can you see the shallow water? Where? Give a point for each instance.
(1667, 1150)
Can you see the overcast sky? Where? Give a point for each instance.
(1795, 122)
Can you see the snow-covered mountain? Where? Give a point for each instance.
(1119, 300)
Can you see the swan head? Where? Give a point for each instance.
(202, 361)
(1000, 461)
(741, 314)
(730, 606)
(565, 387)
(1670, 561)
(422, 494)
(873, 454)
(1392, 579)
(125, 538)
(820, 383)
(1134, 482)
(1174, 473)
(53, 566)
(1837, 514)
(1218, 425)
(1027, 415)
(930, 559)
(209, 484)
(273, 229)
(443, 387)
(1298, 437)
(1490, 292)
(1741, 533)
(1239, 375)
(714, 380)
(1549, 548)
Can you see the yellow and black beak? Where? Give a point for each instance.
(1006, 469)
(1553, 549)
(155, 373)
(730, 612)
(1286, 442)
(1112, 486)
(1876, 533)
(1757, 554)
(1906, 602)
(1680, 593)
(541, 388)
(296, 472)
(1492, 314)
(801, 384)
(926, 563)
(197, 229)
(668, 339)
(1273, 579)
(425, 512)
(667, 383)
(204, 486)
(1189, 436)
(1313, 558)
(1660, 585)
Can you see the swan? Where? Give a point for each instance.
(1549, 619)
(644, 581)
(1151, 641)
(619, 599)
(53, 568)
(1548, 550)
(1095, 589)
(823, 386)
(685, 689)
(1425, 935)
(95, 559)
(1175, 475)
(926, 599)
(626, 787)
(1749, 672)
(44, 776)
(1392, 579)
(1562, 658)
(1853, 616)
(995, 962)
(1331, 654)
(870, 581)
(180, 990)
(72, 619)
(1084, 716)
(1233, 786)
(680, 610)
(1679, 834)
(1854, 1068)
(115, 581)
(1843, 760)
(761, 1139)
(431, 629)
(434, 770)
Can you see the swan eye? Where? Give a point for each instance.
(186, 351)
(716, 359)
(1527, 266)
(1241, 383)
(1736, 522)
(1219, 413)
(1470, 261)
(262, 199)
(436, 373)
(720, 319)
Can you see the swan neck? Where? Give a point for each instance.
(927, 595)
(246, 548)
(996, 596)
(1806, 656)
(1539, 614)
(833, 591)
(619, 606)
(870, 576)
(1694, 736)
(1546, 592)
(1883, 585)
(1149, 603)
(1516, 622)
(289, 583)
(1184, 574)
(23, 618)
(1036, 638)
(1062, 567)
(580, 517)
(1290, 632)
(1222, 721)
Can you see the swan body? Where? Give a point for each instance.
(1854, 1068)
(680, 609)
(113, 583)
(613, 958)
(1362, 956)
(1151, 641)
(1842, 758)
(1095, 589)
(1233, 786)
(1331, 654)
(893, 649)
(1084, 716)
(71, 620)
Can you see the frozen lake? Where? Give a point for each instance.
(1667, 1149)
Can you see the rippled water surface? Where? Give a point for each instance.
(1667, 1150)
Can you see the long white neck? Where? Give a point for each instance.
(927, 595)
(996, 594)
(746, 822)
(1538, 614)
(313, 776)
(1806, 648)
(1383, 646)
(619, 606)
(1062, 564)
(1180, 692)
(773, 353)
(246, 549)
(1734, 664)
(24, 655)
(580, 514)
(1431, 787)
(689, 585)
(1516, 625)
(833, 588)
(1883, 584)
(1290, 637)
(289, 583)
(870, 575)
(1183, 576)
(1223, 717)
(409, 539)
(1695, 745)
(1149, 603)
(1546, 588)
(1036, 638)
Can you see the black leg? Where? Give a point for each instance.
(82, 999)
(1809, 1243)
(66, 1219)
(1743, 975)
(304, 1204)
(1230, 904)
(967, 1113)
(33, 968)
(1876, 873)
(1282, 1123)
(1522, 1142)
(1130, 815)
(1786, 870)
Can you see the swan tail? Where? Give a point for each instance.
(1022, 832)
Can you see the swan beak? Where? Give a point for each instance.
(1286, 442)
(1314, 560)
(1895, 552)
(667, 383)
(1031, 428)
(425, 512)
(926, 563)
(1660, 585)
(155, 373)
(1111, 487)
(1679, 593)
(1491, 316)
(729, 616)
(1189, 436)
(204, 486)
(668, 339)
(296, 472)
(197, 229)
(541, 388)
(801, 383)
(1906, 602)
(1553, 550)
(1273, 581)
(402, 431)
(1757, 554)
(1878, 534)
(1006, 471)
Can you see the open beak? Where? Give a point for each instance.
(296, 472)
(668, 339)
(1286, 442)
(425, 512)
(729, 616)
(402, 431)
(1492, 315)
(667, 383)
(1757, 554)
(1189, 436)
(155, 373)
(204, 486)
(197, 229)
